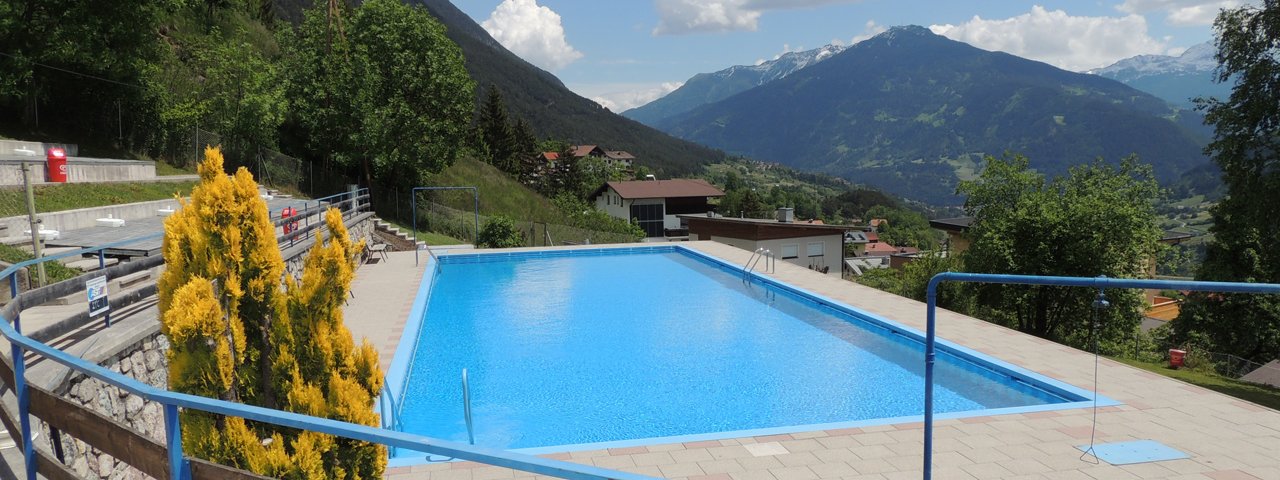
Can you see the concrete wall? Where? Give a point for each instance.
(84, 217)
(831, 256)
(23, 147)
(80, 170)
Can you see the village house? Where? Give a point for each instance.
(655, 204)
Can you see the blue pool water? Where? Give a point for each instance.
(586, 349)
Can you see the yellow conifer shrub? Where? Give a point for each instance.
(242, 330)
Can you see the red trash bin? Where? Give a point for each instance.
(56, 161)
(1176, 357)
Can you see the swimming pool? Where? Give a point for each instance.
(571, 349)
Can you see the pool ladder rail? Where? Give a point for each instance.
(391, 418)
(770, 262)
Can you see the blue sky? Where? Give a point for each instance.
(623, 53)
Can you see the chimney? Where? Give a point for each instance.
(786, 215)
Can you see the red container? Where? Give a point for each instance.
(56, 160)
(1176, 357)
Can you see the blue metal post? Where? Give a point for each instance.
(102, 265)
(929, 357)
(413, 212)
(24, 408)
(173, 439)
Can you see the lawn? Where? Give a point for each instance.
(1259, 394)
(56, 271)
(432, 238)
(54, 198)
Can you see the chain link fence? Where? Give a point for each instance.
(269, 167)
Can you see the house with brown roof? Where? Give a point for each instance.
(654, 204)
(619, 159)
(581, 151)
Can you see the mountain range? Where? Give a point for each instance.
(1177, 80)
(706, 88)
(913, 112)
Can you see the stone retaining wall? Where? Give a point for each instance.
(146, 362)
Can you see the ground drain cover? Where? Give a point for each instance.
(1141, 451)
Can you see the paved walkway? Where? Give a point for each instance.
(1226, 438)
(383, 293)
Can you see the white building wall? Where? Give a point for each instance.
(613, 204)
(832, 256)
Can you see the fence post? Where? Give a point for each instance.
(173, 439)
(24, 407)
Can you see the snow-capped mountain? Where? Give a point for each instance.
(1175, 79)
(706, 88)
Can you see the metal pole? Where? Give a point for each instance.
(931, 298)
(102, 265)
(476, 193)
(173, 440)
(36, 247)
(24, 407)
(413, 212)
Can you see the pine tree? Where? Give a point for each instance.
(495, 130)
(241, 331)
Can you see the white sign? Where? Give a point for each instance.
(96, 288)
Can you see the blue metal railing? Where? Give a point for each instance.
(179, 468)
(1100, 283)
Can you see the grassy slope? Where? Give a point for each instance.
(53, 198)
(1259, 394)
(499, 193)
(56, 271)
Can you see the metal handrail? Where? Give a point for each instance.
(466, 408)
(1100, 283)
(746, 267)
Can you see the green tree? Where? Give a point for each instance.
(500, 232)
(412, 96)
(321, 85)
(243, 95)
(114, 96)
(906, 228)
(1246, 145)
(494, 129)
(1099, 220)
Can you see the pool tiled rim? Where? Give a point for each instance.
(397, 374)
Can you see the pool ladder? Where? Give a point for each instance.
(392, 421)
(770, 262)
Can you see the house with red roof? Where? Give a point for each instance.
(654, 204)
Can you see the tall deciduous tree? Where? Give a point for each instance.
(1246, 145)
(415, 96)
(1099, 220)
(240, 331)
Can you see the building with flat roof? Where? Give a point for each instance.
(812, 245)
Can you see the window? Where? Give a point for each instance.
(649, 218)
(815, 249)
(790, 251)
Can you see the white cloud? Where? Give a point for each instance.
(705, 16)
(1181, 12)
(869, 30)
(619, 97)
(1054, 37)
(531, 31)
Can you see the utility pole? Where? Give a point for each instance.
(36, 241)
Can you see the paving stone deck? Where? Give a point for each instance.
(1226, 438)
